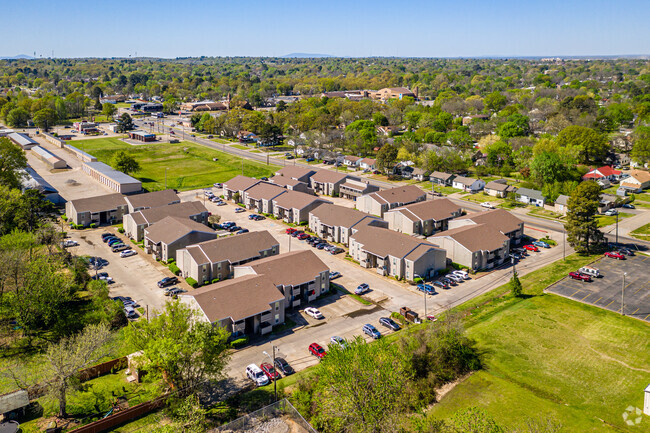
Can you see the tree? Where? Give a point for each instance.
(386, 157)
(17, 117)
(472, 420)
(593, 146)
(185, 351)
(45, 118)
(499, 153)
(641, 148)
(494, 101)
(516, 126)
(125, 163)
(125, 123)
(547, 167)
(68, 356)
(515, 284)
(581, 225)
(12, 164)
(108, 110)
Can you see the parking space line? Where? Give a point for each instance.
(588, 295)
(609, 303)
(634, 312)
(638, 290)
(646, 317)
(575, 293)
(598, 300)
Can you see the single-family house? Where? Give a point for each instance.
(368, 164)
(235, 187)
(499, 188)
(475, 246)
(327, 182)
(259, 197)
(150, 200)
(420, 174)
(351, 189)
(294, 207)
(103, 209)
(530, 196)
(246, 137)
(377, 203)
(296, 172)
(300, 275)
(214, 259)
(607, 202)
(423, 218)
(636, 180)
(562, 204)
(441, 178)
(395, 254)
(468, 184)
(387, 131)
(336, 223)
(170, 234)
(606, 172)
(249, 305)
(351, 161)
(499, 219)
(136, 222)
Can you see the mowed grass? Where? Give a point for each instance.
(547, 356)
(189, 166)
(642, 232)
(607, 220)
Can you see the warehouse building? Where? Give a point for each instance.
(115, 180)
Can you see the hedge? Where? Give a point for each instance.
(216, 280)
(192, 282)
(239, 342)
(175, 269)
(93, 225)
(120, 230)
(64, 218)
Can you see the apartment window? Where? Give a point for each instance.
(277, 306)
(219, 266)
(277, 318)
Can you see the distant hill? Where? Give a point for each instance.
(306, 55)
(18, 57)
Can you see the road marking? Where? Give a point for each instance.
(598, 300)
(609, 303)
(575, 293)
(634, 312)
(646, 317)
(640, 288)
(588, 295)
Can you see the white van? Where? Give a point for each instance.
(130, 312)
(588, 270)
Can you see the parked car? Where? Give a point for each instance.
(426, 288)
(531, 248)
(290, 230)
(283, 366)
(310, 159)
(611, 212)
(302, 236)
(221, 203)
(317, 350)
(389, 323)
(114, 241)
(297, 233)
(314, 312)
(461, 273)
(579, 276)
(240, 210)
(105, 236)
(130, 312)
(626, 251)
(615, 255)
(361, 289)
(541, 244)
(338, 341)
(455, 277)
(441, 284)
(168, 281)
(175, 291)
(241, 232)
(269, 371)
(487, 205)
(336, 250)
(233, 229)
(69, 243)
(127, 253)
(629, 206)
(217, 185)
(119, 247)
(449, 281)
(334, 275)
(321, 246)
(588, 270)
(256, 374)
(371, 331)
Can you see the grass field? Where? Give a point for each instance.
(482, 198)
(547, 356)
(240, 146)
(605, 220)
(642, 232)
(544, 213)
(189, 165)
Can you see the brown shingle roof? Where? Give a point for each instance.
(500, 219)
(400, 194)
(181, 210)
(238, 298)
(240, 183)
(290, 269)
(437, 210)
(99, 203)
(295, 171)
(232, 248)
(296, 200)
(328, 176)
(441, 175)
(265, 191)
(352, 158)
(153, 199)
(497, 186)
(285, 181)
(480, 237)
(369, 161)
(334, 215)
(170, 228)
(467, 181)
(640, 175)
(383, 242)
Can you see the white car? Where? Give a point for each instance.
(338, 341)
(69, 243)
(221, 203)
(256, 374)
(455, 277)
(487, 205)
(313, 312)
(127, 253)
(462, 274)
(240, 210)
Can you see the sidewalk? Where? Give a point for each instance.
(625, 226)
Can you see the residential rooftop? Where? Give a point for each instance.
(153, 199)
(232, 248)
(181, 210)
(383, 242)
(400, 194)
(99, 203)
(335, 215)
(437, 210)
(480, 237)
(170, 228)
(290, 269)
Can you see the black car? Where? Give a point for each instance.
(389, 323)
(283, 366)
(109, 238)
(106, 235)
(167, 281)
(626, 251)
(234, 229)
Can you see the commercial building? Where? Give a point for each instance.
(351, 189)
(395, 254)
(136, 222)
(22, 140)
(142, 136)
(49, 158)
(423, 218)
(214, 259)
(170, 234)
(336, 223)
(103, 209)
(85, 127)
(33, 180)
(377, 203)
(150, 200)
(115, 180)
(204, 106)
(475, 246)
(392, 93)
(327, 182)
(294, 207)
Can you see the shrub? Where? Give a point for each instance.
(192, 282)
(93, 225)
(170, 261)
(418, 280)
(175, 269)
(239, 342)
(64, 218)
(120, 230)
(216, 280)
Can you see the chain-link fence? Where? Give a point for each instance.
(279, 417)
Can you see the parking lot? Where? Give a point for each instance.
(608, 291)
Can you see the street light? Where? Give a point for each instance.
(275, 382)
(623, 295)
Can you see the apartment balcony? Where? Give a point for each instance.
(239, 327)
(266, 328)
(295, 303)
(266, 317)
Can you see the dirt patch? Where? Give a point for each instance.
(363, 312)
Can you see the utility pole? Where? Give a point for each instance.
(623, 295)
(617, 228)
(564, 245)
(275, 382)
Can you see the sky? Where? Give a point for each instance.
(355, 28)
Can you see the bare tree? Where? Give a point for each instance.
(70, 355)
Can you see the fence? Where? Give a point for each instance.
(122, 416)
(264, 419)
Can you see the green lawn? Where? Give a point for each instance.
(446, 190)
(605, 220)
(547, 356)
(482, 198)
(220, 140)
(642, 232)
(240, 146)
(544, 213)
(189, 165)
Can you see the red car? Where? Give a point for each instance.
(579, 276)
(270, 371)
(531, 248)
(316, 350)
(303, 236)
(290, 230)
(615, 255)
